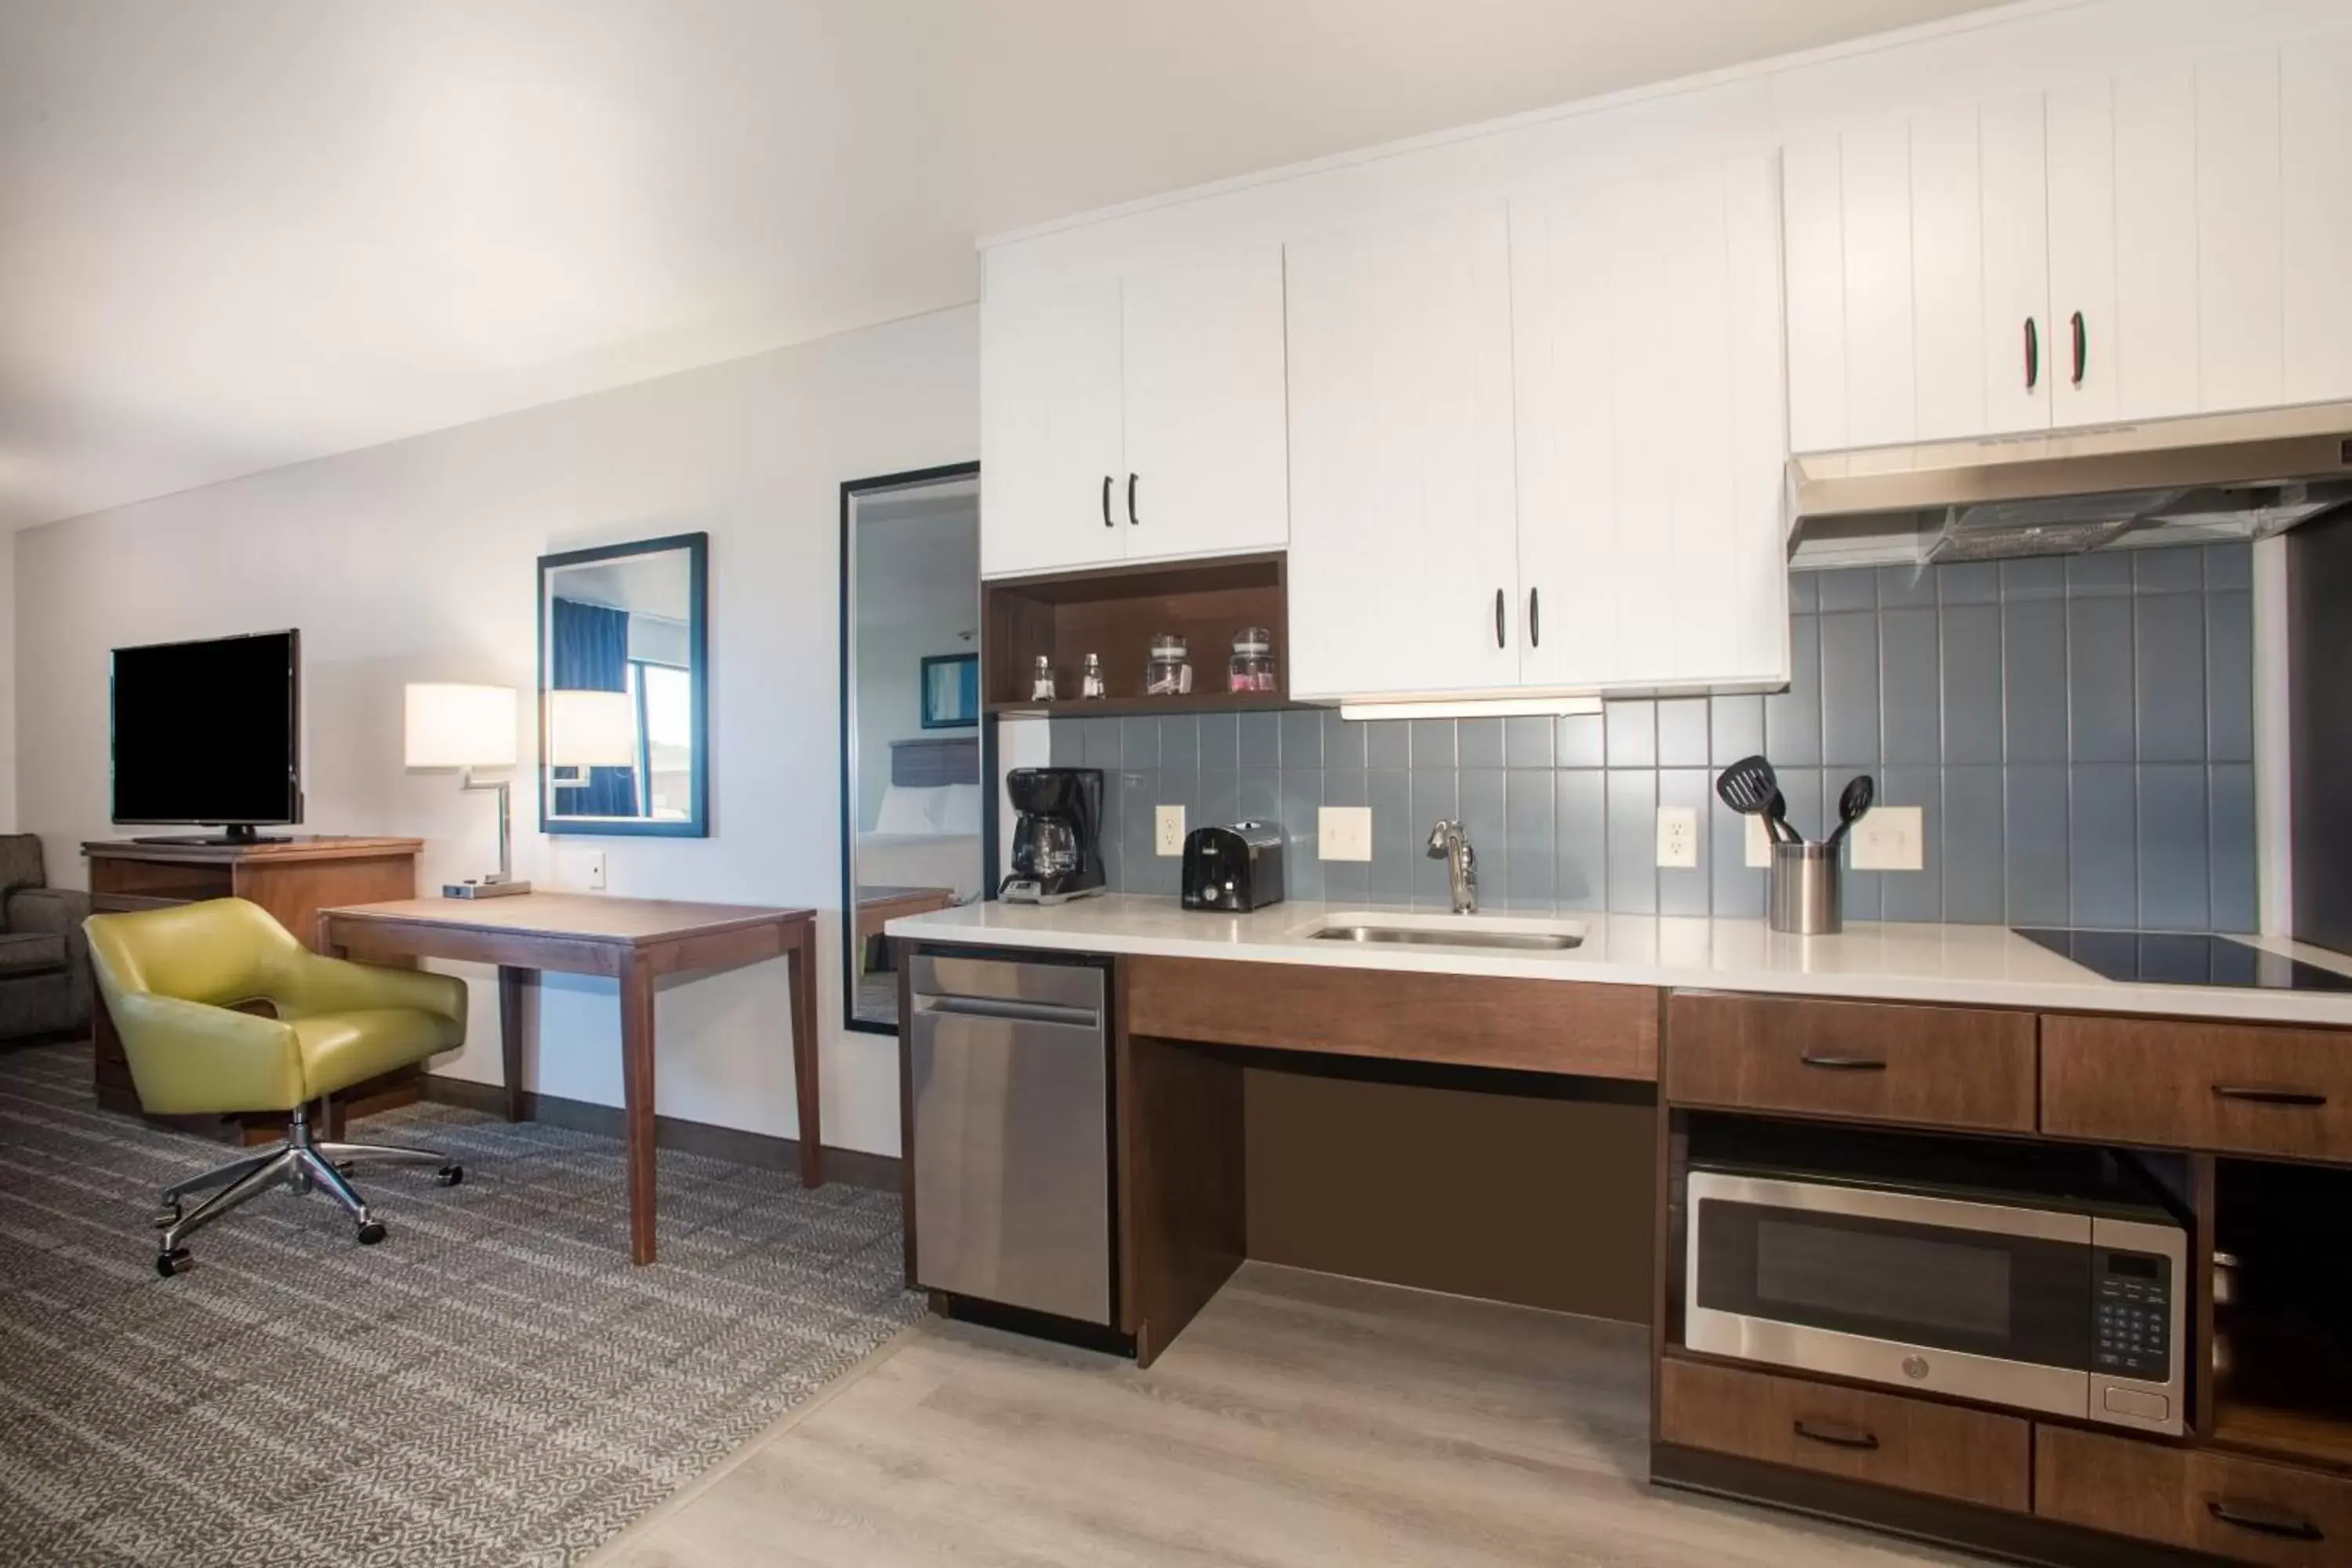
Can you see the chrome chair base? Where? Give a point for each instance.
(297, 1163)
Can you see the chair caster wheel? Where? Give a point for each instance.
(450, 1175)
(167, 1217)
(371, 1232)
(174, 1261)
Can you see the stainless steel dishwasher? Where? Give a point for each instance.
(1010, 1097)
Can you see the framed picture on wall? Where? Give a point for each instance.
(951, 692)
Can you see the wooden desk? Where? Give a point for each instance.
(293, 878)
(877, 906)
(633, 940)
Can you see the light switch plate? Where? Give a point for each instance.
(1890, 838)
(1343, 832)
(1677, 837)
(1760, 843)
(1168, 830)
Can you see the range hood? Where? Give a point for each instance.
(2207, 477)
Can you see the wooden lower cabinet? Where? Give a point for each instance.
(2199, 1499)
(2235, 1088)
(1885, 1439)
(1961, 1067)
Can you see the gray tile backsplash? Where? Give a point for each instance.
(2078, 734)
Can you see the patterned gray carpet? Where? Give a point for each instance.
(494, 1384)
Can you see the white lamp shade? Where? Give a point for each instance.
(452, 726)
(591, 730)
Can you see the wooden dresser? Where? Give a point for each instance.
(293, 880)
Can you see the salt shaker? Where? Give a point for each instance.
(1090, 677)
(1041, 683)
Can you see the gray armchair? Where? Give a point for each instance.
(44, 957)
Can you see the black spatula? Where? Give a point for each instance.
(1751, 788)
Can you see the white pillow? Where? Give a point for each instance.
(906, 810)
(958, 811)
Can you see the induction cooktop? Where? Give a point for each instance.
(2170, 958)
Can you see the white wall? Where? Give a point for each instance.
(415, 562)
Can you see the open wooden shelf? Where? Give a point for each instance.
(2287, 1394)
(1114, 613)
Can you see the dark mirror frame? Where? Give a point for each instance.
(990, 788)
(697, 822)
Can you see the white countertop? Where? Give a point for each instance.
(1986, 965)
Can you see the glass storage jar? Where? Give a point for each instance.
(1169, 673)
(1252, 668)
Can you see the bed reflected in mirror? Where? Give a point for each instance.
(912, 731)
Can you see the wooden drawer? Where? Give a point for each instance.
(1530, 1025)
(1950, 1066)
(2232, 1087)
(1887, 1439)
(2196, 1497)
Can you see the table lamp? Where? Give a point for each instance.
(590, 730)
(469, 727)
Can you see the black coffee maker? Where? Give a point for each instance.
(1058, 843)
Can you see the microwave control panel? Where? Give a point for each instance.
(2132, 1316)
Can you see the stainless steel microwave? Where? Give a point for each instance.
(2043, 1304)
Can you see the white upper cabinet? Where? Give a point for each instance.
(1403, 550)
(1136, 418)
(2171, 241)
(1051, 449)
(1646, 333)
(2316, 213)
(1205, 444)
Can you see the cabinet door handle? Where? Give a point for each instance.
(2032, 354)
(2082, 348)
(1843, 1064)
(1836, 1436)
(1105, 501)
(1534, 618)
(2255, 1094)
(1131, 518)
(2263, 1520)
(1498, 618)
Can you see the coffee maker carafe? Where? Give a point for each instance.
(1058, 843)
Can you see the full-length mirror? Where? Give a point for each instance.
(916, 828)
(623, 717)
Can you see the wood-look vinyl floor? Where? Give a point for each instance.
(1301, 1420)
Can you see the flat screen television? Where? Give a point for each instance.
(209, 733)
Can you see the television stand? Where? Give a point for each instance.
(230, 839)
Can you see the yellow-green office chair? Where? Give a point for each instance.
(171, 979)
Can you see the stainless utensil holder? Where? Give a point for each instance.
(1807, 897)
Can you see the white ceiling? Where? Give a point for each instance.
(243, 232)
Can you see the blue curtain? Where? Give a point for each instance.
(588, 647)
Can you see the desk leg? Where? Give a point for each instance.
(511, 982)
(638, 1100)
(803, 976)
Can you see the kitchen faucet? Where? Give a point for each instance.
(1449, 842)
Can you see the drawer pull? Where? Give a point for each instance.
(1840, 1436)
(2256, 1096)
(2263, 1520)
(1843, 1064)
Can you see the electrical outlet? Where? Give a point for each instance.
(1343, 832)
(592, 867)
(1889, 838)
(1677, 837)
(1168, 830)
(1760, 843)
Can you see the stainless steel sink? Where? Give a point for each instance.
(1524, 940)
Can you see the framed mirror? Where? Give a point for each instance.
(918, 829)
(624, 707)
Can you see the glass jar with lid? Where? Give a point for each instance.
(1169, 673)
(1252, 667)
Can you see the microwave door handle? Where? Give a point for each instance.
(1835, 1434)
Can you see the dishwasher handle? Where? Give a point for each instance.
(1010, 1012)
